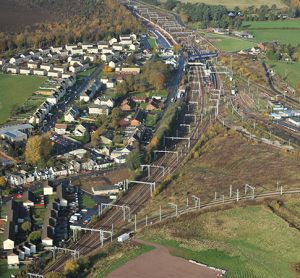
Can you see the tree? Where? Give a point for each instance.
(34, 236)
(2, 181)
(133, 160)
(38, 149)
(115, 117)
(54, 275)
(94, 219)
(26, 227)
(71, 268)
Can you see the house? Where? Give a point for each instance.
(13, 259)
(134, 46)
(139, 99)
(69, 47)
(90, 57)
(25, 71)
(60, 128)
(120, 152)
(106, 139)
(39, 72)
(75, 68)
(47, 189)
(52, 73)
(92, 50)
(104, 79)
(13, 69)
(98, 109)
(104, 151)
(28, 199)
(77, 51)
(124, 122)
(102, 45)
(111, 83)
(55, 49)
(105, 101)
(87, 95)
(118, 47)
(127, 105)
(47, 67)
(80, 131)
(60, 69)
(138, 118)
(130, 70)
(105, 190)
(86, 46)
(14, 136)
(106, 57)
(32, 65)
(71, 115)
(112, 64)
(113, 41)
(15, 216)
(155, 104)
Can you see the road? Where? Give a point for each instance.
(68, 100)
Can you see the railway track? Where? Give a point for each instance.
(137, 194)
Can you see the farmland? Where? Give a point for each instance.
(242, 3)
(246, 241)
(284, 31)
(15, 90)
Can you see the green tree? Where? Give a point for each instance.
(34, 236)
(115, 117)
(26, 227)
(133, 160)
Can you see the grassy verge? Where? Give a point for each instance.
(116, 256)
(5, 272)
(88, 201)
(245, 241)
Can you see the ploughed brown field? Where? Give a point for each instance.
(15, 17)
(160, 263)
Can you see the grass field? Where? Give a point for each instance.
(241, 3)
(284, 31)
(15, 90)
(229, 43)
(289, 71)
(247, 242)
(88, 201)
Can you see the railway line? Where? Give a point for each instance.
(137, 195)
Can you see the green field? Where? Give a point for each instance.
(242, 3)
(247, 242)
(15, 90)
(289, 71)
(152, 42)
(283, 31)
(229, 43)
(88, 201)
(5, 272)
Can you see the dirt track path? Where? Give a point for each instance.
(158, 263)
